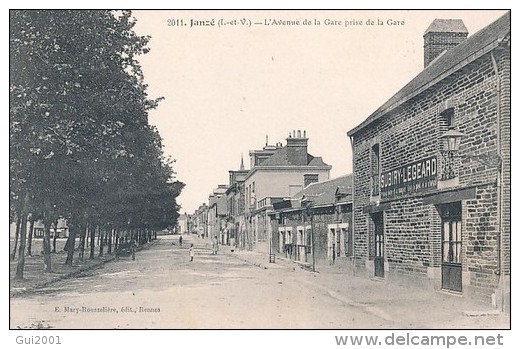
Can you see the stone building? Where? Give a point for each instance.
(60, 228)
(217, 213)
(276, 172)
(432, 169)
(182, 224)
(235, 195)
(314, 226)
(200, 221)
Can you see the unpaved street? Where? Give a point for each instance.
(162, 289)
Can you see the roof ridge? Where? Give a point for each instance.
(466, 52)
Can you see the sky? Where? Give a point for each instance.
(227, 87)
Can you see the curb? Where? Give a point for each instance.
(258, 264)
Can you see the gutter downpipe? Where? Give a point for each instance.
(500, 270)
(353, 211)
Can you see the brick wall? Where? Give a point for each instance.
(504, 64)
(437, 43)
(408, 230)
(412, 132)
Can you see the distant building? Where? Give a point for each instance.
(217, 212)
(235, 195)
(182, 222)
(316, 221)
(200, 221)
(61, 229)
(276, 172)
(432, 169)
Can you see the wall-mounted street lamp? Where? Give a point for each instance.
(451, 144)
(451, 139)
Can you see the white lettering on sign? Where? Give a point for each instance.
(413, 177)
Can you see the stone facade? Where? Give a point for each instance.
(277, 172)
(314, 226)
(217, 213)
(406, 179)
(236, 207)
(199, 224)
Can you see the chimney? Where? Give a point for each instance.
(442, 35)
(297, 149)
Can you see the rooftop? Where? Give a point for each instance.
(281, 158)
(453, 60)
(324, 192)
(447, 26)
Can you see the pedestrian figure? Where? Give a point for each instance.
(215, 245)
(192, 253)
(180, 241)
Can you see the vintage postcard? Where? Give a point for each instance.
(261, 169)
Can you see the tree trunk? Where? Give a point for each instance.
(92, 241)
(102, 234)
(17, 232)
(23, 236)
(116, 240)
(47, 222)
(31, 232)
(109, 241)
(71, 242)
(55, 235)
(87, 236)
(83, 238)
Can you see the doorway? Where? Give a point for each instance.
(451, 232)
(379, 244)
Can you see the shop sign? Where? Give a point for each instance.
(411, 178)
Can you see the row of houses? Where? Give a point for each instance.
(428, 201)
(59, 229)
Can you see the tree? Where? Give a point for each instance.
(80, 143)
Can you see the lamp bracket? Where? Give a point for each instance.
(486, 160)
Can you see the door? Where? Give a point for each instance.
(451, 218)
(302, 255)
(348, 241)
(330, 245)
(379, 245)
(281, 240)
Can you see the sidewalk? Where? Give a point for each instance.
(400, 305)
(35, 277)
